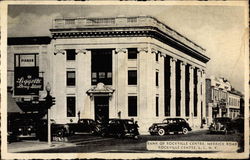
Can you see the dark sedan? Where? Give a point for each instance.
(22, 128)
(168, 125)
(121, 128)
(221, 125)
(84, 126)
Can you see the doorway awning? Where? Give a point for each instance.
(100, 89)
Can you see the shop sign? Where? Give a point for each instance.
(27, 81)
(26, 60)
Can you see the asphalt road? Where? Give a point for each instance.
(89, 143)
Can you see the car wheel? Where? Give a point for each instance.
(161, 132)
(184, 130)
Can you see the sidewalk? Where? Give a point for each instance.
(25, 146)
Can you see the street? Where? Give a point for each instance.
(89, 143)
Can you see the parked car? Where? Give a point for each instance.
(238, 124)
(58, 131)
(85, 126)
(168, 125)
(221, 125)
(120, 128)
(22, 128)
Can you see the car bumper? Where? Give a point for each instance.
(32, 135)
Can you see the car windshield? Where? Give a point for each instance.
(128, 122)
(168, 121)
(222, 120)
(23, 122)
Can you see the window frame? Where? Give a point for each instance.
(68, 54)
(134, 80)
(68, 80)
(134, 100)
(68, 104)
(134, 55)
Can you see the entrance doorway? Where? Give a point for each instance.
(101, 108)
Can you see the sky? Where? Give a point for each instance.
(218, 29)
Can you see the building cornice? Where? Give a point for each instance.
(160, 32)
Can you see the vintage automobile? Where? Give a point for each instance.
(168, 125)
(22, 128)
(85, 126)
(221, 125)
(120, 128)
(238, 125)
(58, 131)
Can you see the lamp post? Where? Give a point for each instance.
(48, 89)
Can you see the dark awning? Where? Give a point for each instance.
(12, 107)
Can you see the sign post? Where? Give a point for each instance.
(48, 89)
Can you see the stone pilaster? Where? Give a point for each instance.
(183, 95)
(142, 97)
(121, 81)
(191, 89)
(173, 88)
(204, 110)
(59, 66)
(83, 79)
(199, 96)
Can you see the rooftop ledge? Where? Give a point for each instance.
(76, 23)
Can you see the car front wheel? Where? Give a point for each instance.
(161, 132)
(184, 130)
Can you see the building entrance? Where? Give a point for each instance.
(101, 108)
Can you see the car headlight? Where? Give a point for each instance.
(29, 129)
(20, 129)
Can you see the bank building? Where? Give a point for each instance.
(121, 67)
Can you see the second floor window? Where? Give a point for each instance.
(157, 79)
(70, 54)
(71, 78)
(132, 77)
(132, 53)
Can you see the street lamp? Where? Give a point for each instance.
(48, 89)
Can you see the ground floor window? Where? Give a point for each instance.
(71, 106)
(132, 105)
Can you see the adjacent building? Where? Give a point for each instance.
(122, 67)
(222, 100)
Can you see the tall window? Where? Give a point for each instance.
(157, 78)
(178, 88)
(71, 106)
(132, 105)
(132, 53)
(157, 106)
(70, 54)
(71, 78)
(187, 79)
(132, 77)
(101, 66)
(167, 88)
(157, 57)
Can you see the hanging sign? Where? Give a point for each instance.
(27, 81)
